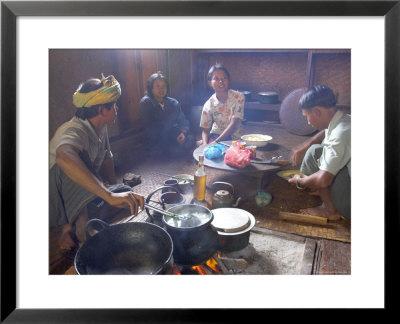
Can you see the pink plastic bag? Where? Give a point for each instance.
(237, 157)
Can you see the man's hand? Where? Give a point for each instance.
(127, 199)
(318, 180)
(293, 179)
(181, 138)
(298, 154)
(300, 151)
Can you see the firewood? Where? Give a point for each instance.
(303, 218)
(237, 264)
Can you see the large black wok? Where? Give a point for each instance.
(129, 248)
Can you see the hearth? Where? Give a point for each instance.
(267, 253)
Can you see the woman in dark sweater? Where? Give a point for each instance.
(166, 127)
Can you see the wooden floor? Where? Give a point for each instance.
(331, 256)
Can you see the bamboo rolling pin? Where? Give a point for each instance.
(303, 218)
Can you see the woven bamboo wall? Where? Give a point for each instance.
(256, 72)
(334, 70)
(67, 69)
(281, 71)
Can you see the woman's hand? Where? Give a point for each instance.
(230, 129)
(181, 138)
(127, 199)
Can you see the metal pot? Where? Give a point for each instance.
(185, 182)
(155, 216)
(171, 183)
(247, 95)
(233, 226)
(268, 97)
(195, 241)
(129, 248)
(171, 198)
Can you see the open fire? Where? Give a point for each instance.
(225, 263)
(211, 266)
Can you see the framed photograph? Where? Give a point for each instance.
(371, 29)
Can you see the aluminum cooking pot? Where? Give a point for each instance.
(195, 241)
(233, 226)
(129, 248)
(268, 97)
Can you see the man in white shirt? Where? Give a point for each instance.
(326, 157)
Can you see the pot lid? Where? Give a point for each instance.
(224, 194)
(231, 220)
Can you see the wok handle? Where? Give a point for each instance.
(94, 221)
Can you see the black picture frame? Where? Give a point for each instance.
(10, 10)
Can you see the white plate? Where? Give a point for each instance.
(258, 140)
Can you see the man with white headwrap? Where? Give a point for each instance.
(81, 161)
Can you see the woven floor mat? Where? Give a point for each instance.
(289, 199)
(285, 197)
(154, 171)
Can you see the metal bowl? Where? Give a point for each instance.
(185, 182)
(258, 140)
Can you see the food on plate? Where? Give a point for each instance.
(254, 138)
(258, 140)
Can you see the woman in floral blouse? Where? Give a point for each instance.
(224, 111)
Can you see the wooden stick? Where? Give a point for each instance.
(282, 162)
(303, 218)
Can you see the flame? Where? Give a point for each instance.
(175, 271)
(213, 264)
(200, 269)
